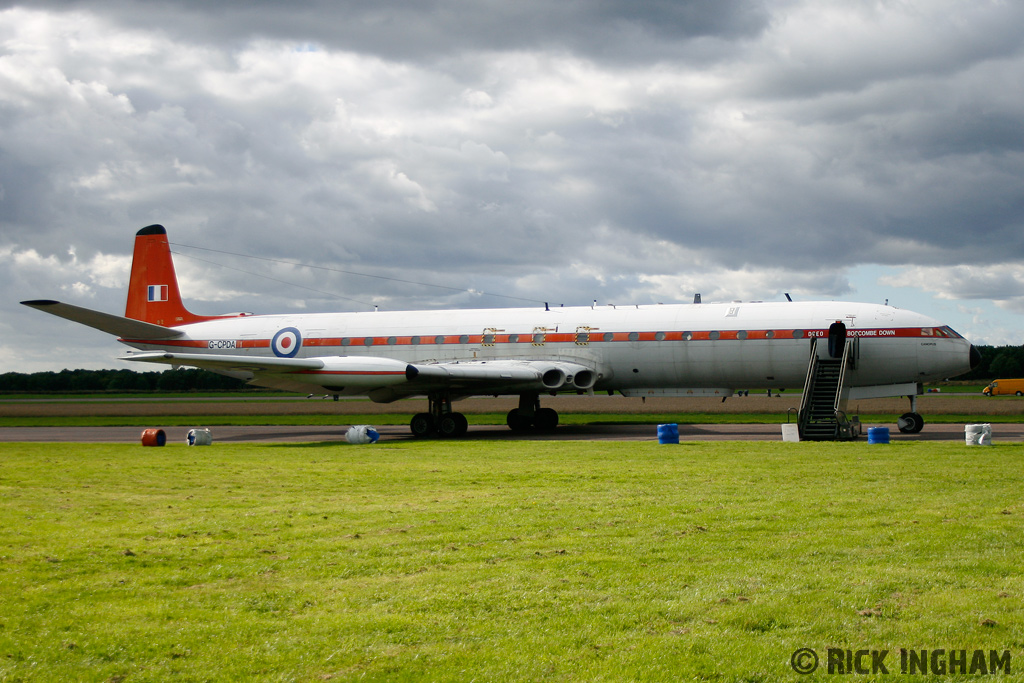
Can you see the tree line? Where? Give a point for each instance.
(996, 362)
(118, 381)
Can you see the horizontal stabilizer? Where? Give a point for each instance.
(126, 328)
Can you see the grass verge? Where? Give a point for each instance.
(535, 561)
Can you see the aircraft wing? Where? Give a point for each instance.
(386, 379)
(210, 361)
(105, 322)
(467, 378)
(546, 375)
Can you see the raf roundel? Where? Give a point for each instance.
(286, 343)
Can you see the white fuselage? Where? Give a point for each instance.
(730, 346)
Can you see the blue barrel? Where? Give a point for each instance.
(668, 433)
(878, 435)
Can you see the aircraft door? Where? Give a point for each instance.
(836, 339)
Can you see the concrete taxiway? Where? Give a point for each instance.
(321, 434)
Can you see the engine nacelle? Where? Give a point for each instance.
(516, 375)
(554, 378)
(558, 375)
(584, 379)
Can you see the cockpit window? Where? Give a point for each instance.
(947, 331)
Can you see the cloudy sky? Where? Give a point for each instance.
(565, 151)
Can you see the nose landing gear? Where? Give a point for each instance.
(912, 422)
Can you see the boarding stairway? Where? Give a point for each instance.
(822, 414)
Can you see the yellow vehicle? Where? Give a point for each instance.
(1005, 387)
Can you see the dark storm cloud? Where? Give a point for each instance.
(413, 30)
(553, 151)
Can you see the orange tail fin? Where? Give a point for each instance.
(153, 294)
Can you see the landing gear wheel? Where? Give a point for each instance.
(546, 419)
(422, 425)
(452, 425)
(910, 423)
(516, 422)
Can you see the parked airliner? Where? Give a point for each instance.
(646, 350)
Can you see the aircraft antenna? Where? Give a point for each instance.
(788, 297)
(273, 279)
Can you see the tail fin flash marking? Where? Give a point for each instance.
(159, 304)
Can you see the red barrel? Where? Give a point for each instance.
(153, 437)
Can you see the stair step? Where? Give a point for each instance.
(819, 422)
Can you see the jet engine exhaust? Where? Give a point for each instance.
(554, 378)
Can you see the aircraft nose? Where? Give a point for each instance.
(975, 357)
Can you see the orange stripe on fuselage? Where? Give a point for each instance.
(559, 338)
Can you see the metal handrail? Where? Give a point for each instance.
(842, 375)
(812, 365)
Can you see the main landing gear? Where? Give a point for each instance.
(912, 422)
(529, 415)
(440, 420)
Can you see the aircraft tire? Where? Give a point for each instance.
(910, 423)
(452, 425)
(546, 419)
(422, 425)
(516, 422)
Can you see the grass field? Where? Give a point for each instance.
(474, 561)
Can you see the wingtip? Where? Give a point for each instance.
(36, 303)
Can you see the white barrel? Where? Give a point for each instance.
(361, 434)
(199, 437)
(978, 434)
